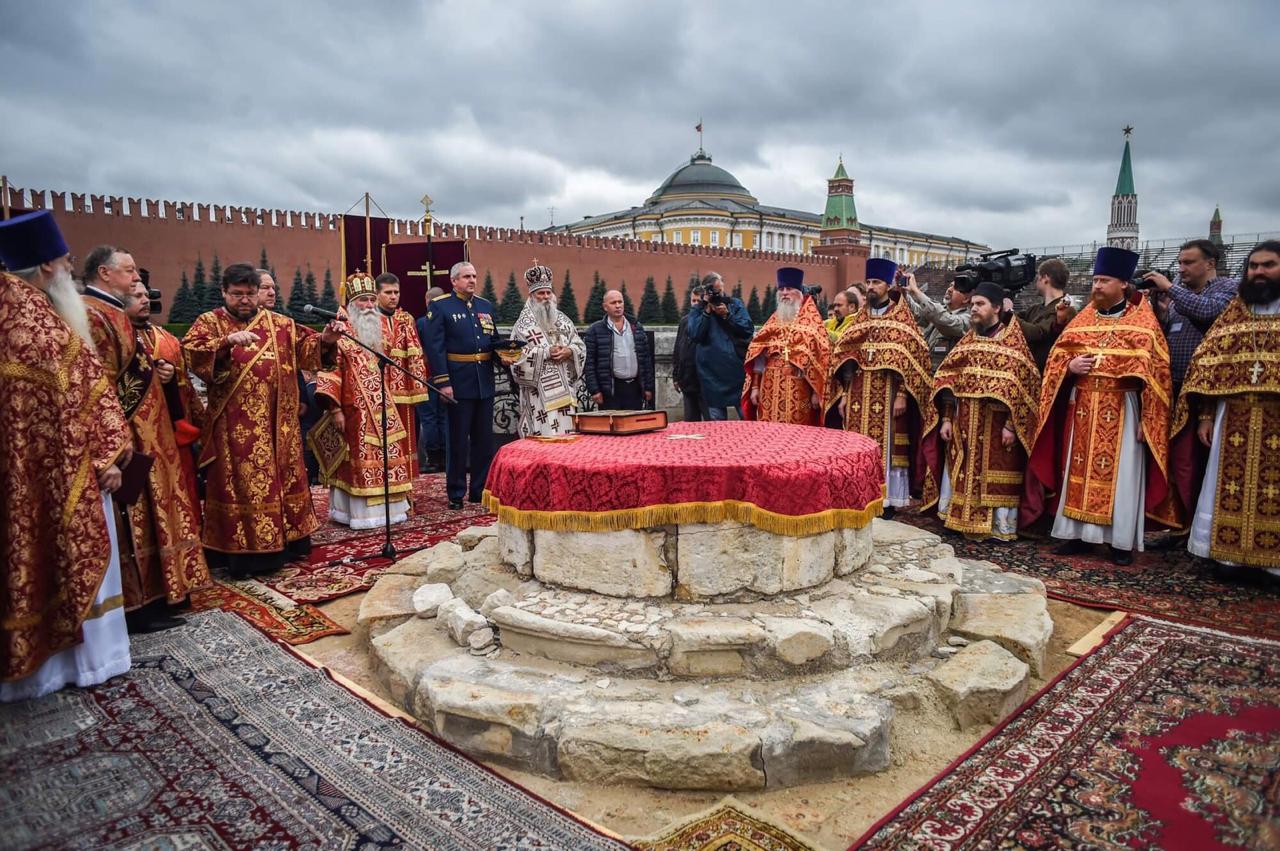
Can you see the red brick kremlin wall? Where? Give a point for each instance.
(168, 237)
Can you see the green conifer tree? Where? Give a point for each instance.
(198, 285)
(770, 303)
(182, 309)
(688, 294)
(568, 302)
(310, 293)
(650, 304)
(737, 290)
(213, 293)
(297, 296)
(670, 307)
(753, 307)
(263, 263)
(628, 309)
(328, 298)
(512, 302)
(489, 294)
(594, 311)
(280, 307)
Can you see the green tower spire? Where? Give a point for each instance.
(841, 211)
(1124, 183)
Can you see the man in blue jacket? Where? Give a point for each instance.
(459, 347)
(619, 371)
(720, 329)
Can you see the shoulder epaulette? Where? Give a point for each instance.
(442, 295)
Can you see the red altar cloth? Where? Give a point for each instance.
(785, 479)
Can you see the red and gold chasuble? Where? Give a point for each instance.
(1132, 355)
(55, 394)
(186, 408)
(257, 498)
(162, 558)
(1237, 364)
(357, 388)
(795, 369)
(404, 347)
(993, 381)
(881, 355)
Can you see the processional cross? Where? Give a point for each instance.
(1255, 374)
(425, 271)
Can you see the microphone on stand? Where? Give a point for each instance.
(320, 311)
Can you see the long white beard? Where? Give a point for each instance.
(70, 306)
(367, 323)
(544, 314)
(787, 311)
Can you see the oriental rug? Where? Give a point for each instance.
(1166, 736)
(277, 616)
(1173, 585)
(333, 570)
(221, 738)
(728, 826)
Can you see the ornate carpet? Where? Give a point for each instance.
(728, 826)
(1166, 736)
(219, 738)
(332, 571)
(1173, 585)
(276, 615)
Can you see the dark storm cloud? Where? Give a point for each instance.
(992, 121)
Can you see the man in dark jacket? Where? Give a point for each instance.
(619, 372)
(1042, 323)
(684, 367)
(721, 330)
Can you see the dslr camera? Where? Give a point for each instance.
(1008, 269)
(1140, 282)
(714, 298)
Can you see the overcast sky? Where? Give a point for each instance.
(997, 122)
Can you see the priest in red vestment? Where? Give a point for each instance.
(786, 362)
(61, 615)
(353, 397)
(404, 347)
(161, 559)
(257, 507)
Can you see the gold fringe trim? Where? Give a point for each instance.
(668, 514)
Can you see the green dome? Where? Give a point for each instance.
(701, 179)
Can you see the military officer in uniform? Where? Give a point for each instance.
(459, 346)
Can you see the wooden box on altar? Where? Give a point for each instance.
(619, 422)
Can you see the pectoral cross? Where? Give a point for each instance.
(1255, 374)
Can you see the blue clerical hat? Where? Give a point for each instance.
(1115, 263)
(29, 240)
(790, 278)
(881, 269)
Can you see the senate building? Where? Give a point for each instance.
(701, 203)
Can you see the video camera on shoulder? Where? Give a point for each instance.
(1008, 269)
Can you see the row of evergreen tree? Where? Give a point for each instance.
(203, 291)
(654, 309)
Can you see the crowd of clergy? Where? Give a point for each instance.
(134, 462)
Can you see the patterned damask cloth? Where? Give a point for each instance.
(220, 738)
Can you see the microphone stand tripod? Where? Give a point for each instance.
(388, 551)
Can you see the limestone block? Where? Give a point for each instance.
(1020, 623)
(727, 558)
(983, 577)
(481, 638)
(471, 536)
(427, 599)
(444, 562)
(401, 654)
(709, 756)
(477, 583)
(626, 563)
(889, 532)
(853, 549)
(497, 599)
(798, 640)
(516, 546)
(460, 619)
(489, 720)
(711, 646)
(886, 628)
(949, 569)
(486, 551)
(579, 644)
(390, 600)
(981, 684)
(943, 594)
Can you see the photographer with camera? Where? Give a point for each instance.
(1188, 305)
(943, 325)
(720, 331)
(1042, 323)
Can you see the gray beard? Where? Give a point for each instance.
(544, 314)
(786, 312)
(69, 305)
(368, 327)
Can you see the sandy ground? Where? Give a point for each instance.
(829, 815)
